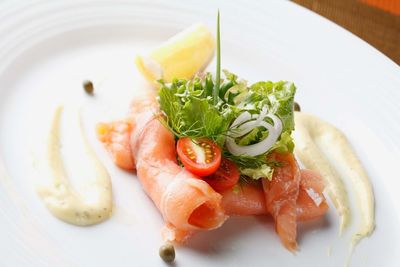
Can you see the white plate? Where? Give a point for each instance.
(47, 48)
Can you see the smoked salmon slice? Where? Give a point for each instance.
(187, 203)
(116, 139)
(281, 196)
(247, 199)
(311, 203)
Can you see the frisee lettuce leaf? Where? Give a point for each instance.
(264, 171)
(256, 135)
(284, 144)
(279, 97)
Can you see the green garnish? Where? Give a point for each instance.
(245, 161)
(204, 107)
(264, 171)
(190, 110)
(218, 72)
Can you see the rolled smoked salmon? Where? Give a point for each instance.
(249, 198)
(116, 139)
(288, 197)
(281, 196)
(187, 203)
(309, 208)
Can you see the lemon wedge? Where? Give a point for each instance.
(181, 56)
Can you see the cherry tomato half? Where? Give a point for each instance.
(225, 177)
(201, 157)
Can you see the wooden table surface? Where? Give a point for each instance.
(375, 21)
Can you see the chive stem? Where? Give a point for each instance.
(218, 71)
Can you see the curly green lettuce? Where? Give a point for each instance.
(191, 110)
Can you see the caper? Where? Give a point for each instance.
(88, 86)
(297, 106)
(167, 252)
